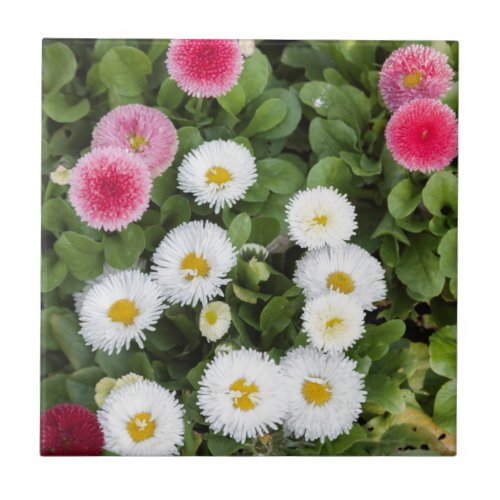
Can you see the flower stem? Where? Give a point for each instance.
(197, 109)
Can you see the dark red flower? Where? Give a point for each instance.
(70, 429)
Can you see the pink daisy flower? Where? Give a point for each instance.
(205, 68)
(142, 130)
(110, 188)
(70, 429)
(423, 135)
(414, 71)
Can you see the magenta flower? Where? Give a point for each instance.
(414, 71)
(110, 188)
(205, 68)
(141, 130)
(423, 135)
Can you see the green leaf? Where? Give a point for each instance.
(222, 446)
(58, 216)
(93, 81)
(169, 95)
(82, 255)
(175, 210)
(80, 386)
(164, 186)
(256, 193)
(274, 318)
(403, 199)
(267, 116)
(234, 101)
(65, 328)
(387, 226)
(443, 351)
(330, 137)
(58, 66)
(53, 271)
(384, 392)
(192, 439)
(377, 339)
(330, 171)
(194, 375)
(53, 391)
(447, 250)
(71, 139)
(264, 230)
(445, 406)
(123, 248)
(189, 138)
(117, 365)
(389, 251)
(345, 441)
(280, 176)
(240, 229)
(362, 165)
(311, 60)
(440, 194)
(153, 236)
(249, 296)
(255, 76)
(62, 110)
(126, 69)
(320, 96)
(419, 269)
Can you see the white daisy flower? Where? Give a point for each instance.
(325, 393)
(142, 418)
(333, 322)
(320, 216)
(108, 384)
(215, 320)
(192, 262)
(242, 394)
(106, 271)
(218, 173)
(347, 269)
(118, 309)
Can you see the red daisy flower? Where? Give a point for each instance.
(70, 429)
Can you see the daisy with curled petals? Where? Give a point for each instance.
(242, 394)
(412, 72)
(215, 320)
(204, 68)
(348, 269)
(118, 309)
(141, 130)
(333, 322)
(218, 173)
(423, 135)
(142, 418)
(320, 216)
(192, 262)
(325, 393)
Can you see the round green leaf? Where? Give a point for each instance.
(384, 392)
(403, 199)
(53, 272)
(58, 66)
(175, 211)
(234, 101)
(264, 230)
(82, 255)
(59, 108)
(330, 171)
(153, 236)
(255, 76)
(443, 351)
(440, 194)
(58, 216)
(447, 249)
(274, 318)
(126, 69)
(280, 176)
(267, 116)
(123, 248)
(239, 229)
(170, 95)
(330, 137)
(445, 406)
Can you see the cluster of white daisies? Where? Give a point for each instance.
(243, 394)
(314, 392)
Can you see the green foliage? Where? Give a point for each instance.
(311, 115)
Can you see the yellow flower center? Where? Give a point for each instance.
(123, 311)
(412, 79)
(340, 282)
(137, 142)
(141, 426)
(218, 175)
(196, 266)
(316, 393)
(211, 317)
(243, 399)
(332, 323)
(424, 133)
(321, 220)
